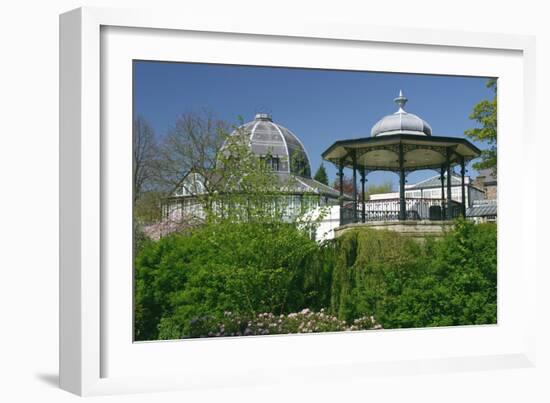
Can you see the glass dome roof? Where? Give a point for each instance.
(267, 138)
(401, 122)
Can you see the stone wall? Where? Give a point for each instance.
(417, 230)
(491, 192)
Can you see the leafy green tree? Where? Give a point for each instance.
(385, 187)
(321, 175)
(485, 114)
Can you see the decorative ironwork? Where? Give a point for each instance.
(411, 147)
(386, 147)
(372, 168)
(388, 210)
(401, 144)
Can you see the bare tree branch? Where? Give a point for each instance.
(144, 152)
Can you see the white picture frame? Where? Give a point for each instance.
(96, 355)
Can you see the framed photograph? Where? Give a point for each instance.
(243, 202)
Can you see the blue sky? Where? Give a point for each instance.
(319, 106)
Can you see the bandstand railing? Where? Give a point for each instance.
(388, 210)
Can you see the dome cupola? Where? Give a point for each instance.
(401, 122)
(268, 139)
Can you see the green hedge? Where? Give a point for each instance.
(185, 283)
(245, 268)
(450, 281)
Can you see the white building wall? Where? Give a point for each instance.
(329, 217)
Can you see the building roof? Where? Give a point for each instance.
(487, 177)
(382, 152)
(435, 182)
(401, 122)
(266, 137)
(321, 188)
(192, 184)
(401, 141)
(484, 208)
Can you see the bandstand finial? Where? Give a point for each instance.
(401, 100)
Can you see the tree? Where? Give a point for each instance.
(144, 152)
(299, 161)
(321, 175)
(347, 185)
(191, 146)
(485, 113)
(147, 197)
(385, 187)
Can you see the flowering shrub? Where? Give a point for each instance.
(266, 323)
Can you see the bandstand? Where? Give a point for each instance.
(401, 143)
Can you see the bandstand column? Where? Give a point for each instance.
(402, 205)
(449, 182)
(363, 179)
(354, 185)
(442, 178)
(341, 179)
(463, 186)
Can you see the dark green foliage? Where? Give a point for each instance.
(485, 114)
(185, 284)
(321, 175)
(444, 282)
(459, 286)
(371, 268)
(160, 269)
(239, 267)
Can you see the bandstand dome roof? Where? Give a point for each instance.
(401, 122)
(269, 138)
(401, 141)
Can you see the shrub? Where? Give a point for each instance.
(244, 268)
(371, 267)
(272, 273)
(458, 285)
(451, 281)
(231, 324)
